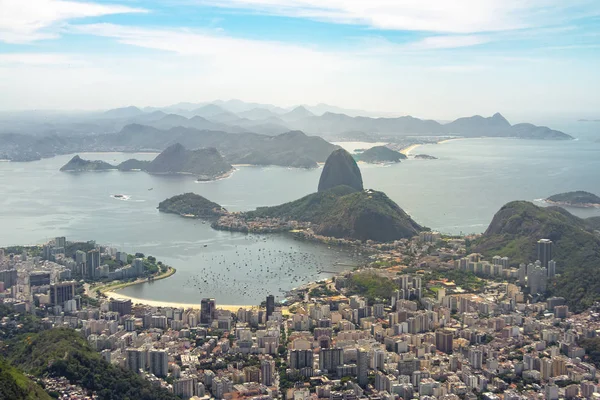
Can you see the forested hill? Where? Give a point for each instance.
(515, 230)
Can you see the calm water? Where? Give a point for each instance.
(459, 192)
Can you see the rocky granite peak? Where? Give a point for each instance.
(340, 169)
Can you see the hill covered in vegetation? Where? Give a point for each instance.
(191, 205)
(63, 352)
(593, 223)
(206, 163)
(575, 199)
(515, 230)
(345, 212)
(380, 154)
(177, 159)
(14, 385)
(78, 164)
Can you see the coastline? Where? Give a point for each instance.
(452, 139)
(112, 287)
(407, 150)
(155, 303)
(567, 204)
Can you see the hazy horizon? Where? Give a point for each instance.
(524, 59)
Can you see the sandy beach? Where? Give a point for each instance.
(450, 140)
(406, 151)
(153, 303)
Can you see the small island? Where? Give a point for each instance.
(191, 205)
(206, 163)
(380, 155)
(578, 198)
(425, 157)
(78, 164)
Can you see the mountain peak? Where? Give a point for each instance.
(298, 113)
(500, 118)
(123, 112)
(174, 148)
(340, 169)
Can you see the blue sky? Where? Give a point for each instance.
(428, 58)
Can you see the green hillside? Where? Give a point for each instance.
(517, 227)
(63, 352)
(575, 198)
(16, 386)
(380, 154)
(191, 204)
(593, 223)
(311, 208)
(344, 212)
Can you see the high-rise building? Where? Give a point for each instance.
(80, 257)
(60, 241)
(551, 269)
(184, 387)
(39, 278)
(136, 359)
(378, 359)
(475, 358)
(444, 341)
(159, 362)
(270, 305)
(61, 292)
(252, 374)
(138, 266)
(207, 311)
(561, 311)
(301, 358)
(329, 359)
(544, 251)
(267, 368)
(362, 367)
(220, 386)
(91, 263)
(9, 277)
(123, 307)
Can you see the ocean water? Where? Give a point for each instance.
(457, 193)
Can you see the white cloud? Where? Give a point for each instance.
(216, 49)
(458, 68)
(23, 21)
(41, 59)
(448, 42)
(448, 16)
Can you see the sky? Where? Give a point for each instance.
(427, 58)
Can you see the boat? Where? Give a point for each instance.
(151, 189)
(119, 196)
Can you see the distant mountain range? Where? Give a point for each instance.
(291, 149)
(53, 133)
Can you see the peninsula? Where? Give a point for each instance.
(77, 164)
(380, 155)
(424, 157)
(575, 199)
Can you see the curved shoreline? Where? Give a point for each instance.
(158, 303)
(567, 204)
(112, 287)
